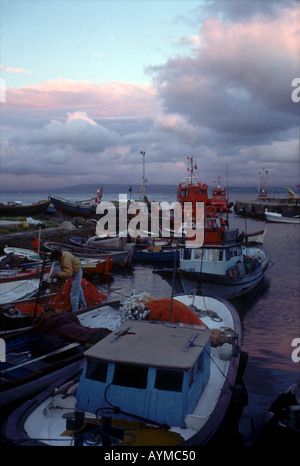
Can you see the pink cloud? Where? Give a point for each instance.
(263, 37)
(14, 70)
(107, 100)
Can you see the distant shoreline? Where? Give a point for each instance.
(153, 188)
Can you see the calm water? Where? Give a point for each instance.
(270, 314)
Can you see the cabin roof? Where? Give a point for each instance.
(159, 344)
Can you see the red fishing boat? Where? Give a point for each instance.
(192, 190)
(219, 199)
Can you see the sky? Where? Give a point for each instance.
(86, 85)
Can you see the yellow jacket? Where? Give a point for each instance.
(69, 265)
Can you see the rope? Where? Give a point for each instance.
(225, 377)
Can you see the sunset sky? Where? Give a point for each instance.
(86, 85)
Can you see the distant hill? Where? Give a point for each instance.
(151, 189)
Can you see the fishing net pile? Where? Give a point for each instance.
(143, 306)
(61, 300)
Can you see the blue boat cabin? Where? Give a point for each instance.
(156, 370)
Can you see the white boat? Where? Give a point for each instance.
(226, 270)
(138, 374)
(279, 218)
(256, 236)
(24, 253)
(19, 289)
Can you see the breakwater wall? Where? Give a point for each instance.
(256, 208)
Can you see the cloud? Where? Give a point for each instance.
(226, 101)
(108, 99)
(240, 82)
(14, 70)
(244, 9)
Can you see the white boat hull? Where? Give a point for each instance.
(16, 290)
(278, 218)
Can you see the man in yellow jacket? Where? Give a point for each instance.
(71, 268)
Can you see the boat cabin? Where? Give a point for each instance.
(215, 259)
(155, 370)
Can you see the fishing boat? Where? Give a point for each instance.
(23, 253)
(256, 236)
(122, 257)
(219, 198)
(84, 208)
(223, 266)
(16, 290)
(38, 355)
(191, 190)
(16, 314)
(17, 209)
(13, 317)
(23, 374)
(97, 267)
(157, 255)
(134, 377)
(279, 218)
(100, 242)
(12, 275)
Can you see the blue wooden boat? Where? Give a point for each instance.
(146, 383)
(164, 256)
(73, 208)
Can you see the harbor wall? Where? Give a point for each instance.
(256, 208)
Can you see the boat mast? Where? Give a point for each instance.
(191, 170)
(144, 181)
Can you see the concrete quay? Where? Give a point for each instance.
(256, 208)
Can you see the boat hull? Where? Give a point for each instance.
(278, 218)
(72, 208)
(223, 286)
(162, 258)
(119, 257)
(20, 210)
(38, 384)
(21, 289)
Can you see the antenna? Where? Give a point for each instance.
(262, 187)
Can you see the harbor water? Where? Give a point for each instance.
(270, 314)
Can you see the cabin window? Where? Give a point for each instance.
(183, 193)
(220, 255)
(228, 254)
(130, 376)
(186, 253)
(168, 380)
(96, 370)
(198, 253)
